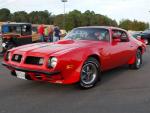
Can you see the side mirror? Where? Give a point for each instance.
(124, 39)
(115, 41)
(115, 38)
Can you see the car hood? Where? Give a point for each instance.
(50, 48)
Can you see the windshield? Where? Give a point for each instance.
(95, 34)
(11, 29)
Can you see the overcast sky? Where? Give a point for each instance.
(116, 9)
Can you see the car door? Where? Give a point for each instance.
(117, 49)
(121, 48)
(111, 52)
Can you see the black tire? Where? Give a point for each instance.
(138, 61)
(90, 74)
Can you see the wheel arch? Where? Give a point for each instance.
(97, 57)
(133, 59)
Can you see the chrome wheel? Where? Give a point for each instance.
(138, 62)
(138, 59)
(89, 72)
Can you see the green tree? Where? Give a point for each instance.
(40, 17)
(58, 20)
(20, 16)
(73, 19)
(133, 25)
(87, 18)
(5, 15)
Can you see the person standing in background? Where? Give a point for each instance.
(41, 32)
(46, 33)
(50, 34)
(56, 34)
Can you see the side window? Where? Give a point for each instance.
(106, 36)
(26, 30)
(116, 34)
(34, 29)
(119, 35)
(103, 35)
(124, 37)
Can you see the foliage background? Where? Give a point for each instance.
(73, 19)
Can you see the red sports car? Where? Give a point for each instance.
(79, 58)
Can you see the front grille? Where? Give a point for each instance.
(17, 58)
(34, 60)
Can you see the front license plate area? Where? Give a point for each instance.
(21, 75)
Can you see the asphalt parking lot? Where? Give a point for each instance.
(121, 91)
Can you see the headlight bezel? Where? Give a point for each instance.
(52, 62)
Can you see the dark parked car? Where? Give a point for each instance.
(138, 36)
(16, 34)
(146, 35)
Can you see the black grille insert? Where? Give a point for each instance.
(34, 60)
(17, 58)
